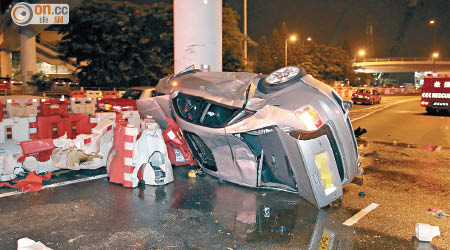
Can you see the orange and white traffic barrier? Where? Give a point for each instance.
(78, 94)
(21, 107)
(120, 160)
(94, 94)
(100, 116)
(110, 94)
(54, 106)
(179, 153)
(85, 105)
(16, 128)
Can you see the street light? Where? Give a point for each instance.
(291, 38)
(435, 55)
(433, 24)
(361, 53)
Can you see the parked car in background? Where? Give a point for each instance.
(5, 84)
(366, 96)
(127, 101)
(285, 131)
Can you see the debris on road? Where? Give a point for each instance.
(29, 244)
(361, 194)
(360, 131)
(374, 153)
(438, 213)
(426, 232)
(355, 218)
(33, 182)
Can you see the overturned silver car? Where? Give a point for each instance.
(285, 131)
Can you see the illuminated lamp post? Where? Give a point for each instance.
(291, 38)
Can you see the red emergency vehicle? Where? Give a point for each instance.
(436, 94)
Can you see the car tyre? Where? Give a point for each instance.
(431, 111)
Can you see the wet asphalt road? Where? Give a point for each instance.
(406, 122)
(201, 213)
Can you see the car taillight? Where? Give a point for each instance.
(309, 117)
(101, 105)
(367, 97)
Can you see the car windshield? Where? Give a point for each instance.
(132, 94)
(5, 79)
(363, 91)
(61, 80)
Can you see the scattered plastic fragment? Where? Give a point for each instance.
(29, 244)
(359, 131)
(282, 229)
(426, 232)
(193, 173)
(437, 212)
(374, 153)
(33, 182)
(361, 194)
(355, 218)
(266, 212)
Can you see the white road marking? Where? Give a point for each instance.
(64, 183)
(379, 109)
(355, 218)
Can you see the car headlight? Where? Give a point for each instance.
(309, 118)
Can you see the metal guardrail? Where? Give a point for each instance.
(399, 59)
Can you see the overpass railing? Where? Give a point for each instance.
(397, 59)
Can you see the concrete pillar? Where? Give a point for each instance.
(27, 53)
(198, 34)
(5, 63)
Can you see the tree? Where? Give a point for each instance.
(119, 44)
(233, 41)
(265, 59)
(325, 62)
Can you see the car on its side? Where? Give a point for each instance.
(366, 96)
(127, 101)
(285, 131)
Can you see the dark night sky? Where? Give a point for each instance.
(320, 19)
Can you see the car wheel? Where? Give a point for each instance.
(431, 111)
(266, 87)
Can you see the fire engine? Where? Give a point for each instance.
(436, 93)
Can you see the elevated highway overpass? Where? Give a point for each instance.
(14, 37)
(400, 65)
